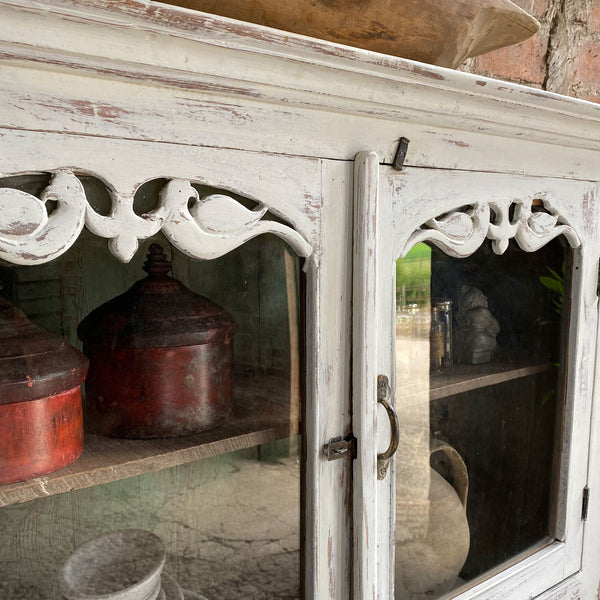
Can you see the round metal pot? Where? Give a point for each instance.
(41, 423)
(161, 359)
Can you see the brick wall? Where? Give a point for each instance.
(563, 57)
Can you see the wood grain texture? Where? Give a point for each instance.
(463, 378)
(364, 377)
(432, 32)
(256, 420)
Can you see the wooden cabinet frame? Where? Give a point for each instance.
(130, 92)
(400, 209)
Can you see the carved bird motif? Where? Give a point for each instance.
(457, 233)
(213, 225)
(222, 214)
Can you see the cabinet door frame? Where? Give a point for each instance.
(393, 206)
(309, 196)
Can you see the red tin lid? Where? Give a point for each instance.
(157, 312)
(33, 363)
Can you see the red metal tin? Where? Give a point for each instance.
(161, 359)
(41, 424)
(40, 436)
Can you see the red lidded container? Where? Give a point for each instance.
(41, 422)
(161, 359)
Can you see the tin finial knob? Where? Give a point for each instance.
(156, 264)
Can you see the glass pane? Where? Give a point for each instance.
(224, 502)
(479, 344)
(229, 526)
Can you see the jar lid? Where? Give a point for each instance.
(157, 312)
(33, 363)
(444, 303)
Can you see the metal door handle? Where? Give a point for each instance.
(384, 393)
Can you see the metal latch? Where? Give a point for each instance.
(340, 448)
(400, 154)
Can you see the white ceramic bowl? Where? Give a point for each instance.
(121, 565)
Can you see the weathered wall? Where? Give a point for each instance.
(563, 57)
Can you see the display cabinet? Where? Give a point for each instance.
(411, 256)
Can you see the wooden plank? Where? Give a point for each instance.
(256, 420)
(464, 378)
(364, 374)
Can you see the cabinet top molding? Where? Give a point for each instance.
(331, 100)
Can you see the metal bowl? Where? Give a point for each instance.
(121, 565)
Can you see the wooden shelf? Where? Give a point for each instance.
(464, 378)
(256, 419)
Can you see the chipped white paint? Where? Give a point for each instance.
(135, 91)
(364, 376)
(460, 233)
(458, 212)
(122, 226)
(28, 235)
(215, 224)
(212, 227)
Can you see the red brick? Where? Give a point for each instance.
(525, 62)
(586, 66)
(590, 97)
(594, 20)
(540, 7)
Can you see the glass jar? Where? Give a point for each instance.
(441, 334)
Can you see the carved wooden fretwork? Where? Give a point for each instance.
(201, 227)
(531, 223)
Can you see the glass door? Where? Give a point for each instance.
(480, 393)
(245, 507)
(486, 279)
(220, 498)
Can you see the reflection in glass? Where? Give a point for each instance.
(478, 348)
(226, 503)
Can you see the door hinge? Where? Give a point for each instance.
(341, 448)
(598, 281)
(585, 503)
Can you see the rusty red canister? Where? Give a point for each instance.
(161, 359)
(41, 422)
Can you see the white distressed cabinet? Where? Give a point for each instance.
(241, 133)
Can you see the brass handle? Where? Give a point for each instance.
(384, 393)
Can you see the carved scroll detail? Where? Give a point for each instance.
(207, 228)
(28, 235)
(214, 224)
(462, 232)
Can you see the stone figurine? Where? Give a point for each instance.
(476, 327)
